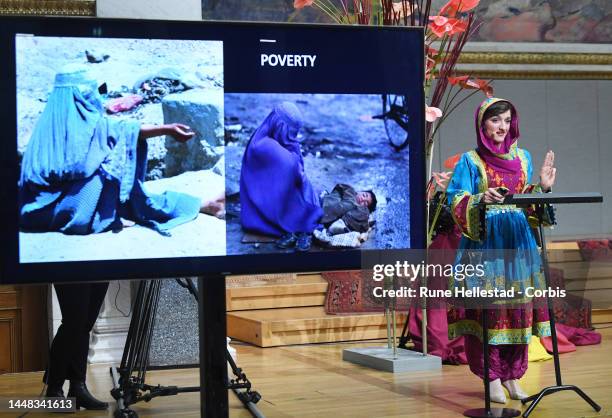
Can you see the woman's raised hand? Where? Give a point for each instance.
(548, 172)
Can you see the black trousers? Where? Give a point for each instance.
(80, 305)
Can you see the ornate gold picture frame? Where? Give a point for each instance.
(48, 7)
(537, 60)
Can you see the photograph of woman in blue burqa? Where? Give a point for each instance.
(82, 172)
(276, 196)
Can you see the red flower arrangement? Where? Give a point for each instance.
(448, 30)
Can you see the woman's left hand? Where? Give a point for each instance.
(548, 172)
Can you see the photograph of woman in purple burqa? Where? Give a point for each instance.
(276, 196)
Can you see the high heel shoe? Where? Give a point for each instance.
(496, 392)
(84, 399)
(514, 389)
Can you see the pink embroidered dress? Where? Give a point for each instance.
(501, 239)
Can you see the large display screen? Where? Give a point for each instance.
(157, 149)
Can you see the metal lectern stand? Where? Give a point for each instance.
(539, 200)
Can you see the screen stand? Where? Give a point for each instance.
(213, 369)
(129, 385)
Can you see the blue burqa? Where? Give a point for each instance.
(82, 172)
(276, 196)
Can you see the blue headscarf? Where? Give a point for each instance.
(275, 194)
(64, 144)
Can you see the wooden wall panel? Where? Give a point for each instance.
(35, 327)
(5, 347)
(10, 335)
(23, 328)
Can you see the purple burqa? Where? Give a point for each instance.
(276, 197)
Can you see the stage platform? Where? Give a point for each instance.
(305, 325)
(306, 290)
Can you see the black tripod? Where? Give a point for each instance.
(129, 385)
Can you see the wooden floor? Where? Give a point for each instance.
(313, 381)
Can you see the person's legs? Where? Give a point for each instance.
(77, 368)
(73, 301)
(475, 357)
(515, 359)
(78, 363)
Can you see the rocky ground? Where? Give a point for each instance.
(341, 144)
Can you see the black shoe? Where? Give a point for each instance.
(304, 241)
(286, 241)
(84, 399)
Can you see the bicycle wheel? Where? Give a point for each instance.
(395, 117)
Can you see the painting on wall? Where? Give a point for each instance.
(584, 21)
(260, 11)
(516, 39)
(580, 21)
